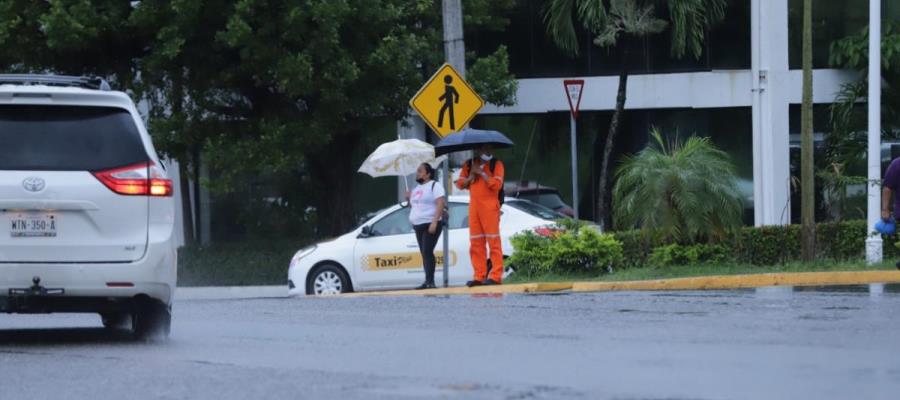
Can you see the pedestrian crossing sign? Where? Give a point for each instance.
(447, 102)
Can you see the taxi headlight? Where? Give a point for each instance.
(302, 253)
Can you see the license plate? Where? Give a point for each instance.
(39, 224)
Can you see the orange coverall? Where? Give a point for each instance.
(484, 218)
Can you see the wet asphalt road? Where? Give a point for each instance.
(763, 344)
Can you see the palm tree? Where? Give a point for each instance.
(683, 191)
(623, 23)
(807, 188)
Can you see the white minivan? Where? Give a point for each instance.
(86, 208)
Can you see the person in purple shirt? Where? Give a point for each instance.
(891, 184)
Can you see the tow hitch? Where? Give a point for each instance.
(35, 290)
(30, 299)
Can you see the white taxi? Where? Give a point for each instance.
(382, 253)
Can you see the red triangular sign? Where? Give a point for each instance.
(574, 89)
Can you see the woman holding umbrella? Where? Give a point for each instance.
(426, 203)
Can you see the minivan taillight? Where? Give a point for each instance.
(144, 179)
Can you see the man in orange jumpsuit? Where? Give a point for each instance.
(483, 177)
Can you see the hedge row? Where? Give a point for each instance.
(236, 264)
(770, 245)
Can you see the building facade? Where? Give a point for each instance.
(743, 92)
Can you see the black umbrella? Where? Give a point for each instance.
(470, 139)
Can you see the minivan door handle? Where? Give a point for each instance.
(24, 204)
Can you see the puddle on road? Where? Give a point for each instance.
(470, 390)
(680, 313)
(870, 288)
(723, 293)
(815, 317)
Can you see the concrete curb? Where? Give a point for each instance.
(718, 282)
(229, 292)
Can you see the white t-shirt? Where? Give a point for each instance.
(422, 205)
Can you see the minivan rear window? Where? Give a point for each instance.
(68, 138)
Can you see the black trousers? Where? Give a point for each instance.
(427, 242)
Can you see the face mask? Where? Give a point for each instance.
(420, 180)
(486, 157)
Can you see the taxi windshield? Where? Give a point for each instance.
(535, 210)
(365, 218)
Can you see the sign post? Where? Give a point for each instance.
(447, 103)
(573, 94)
(874, 245)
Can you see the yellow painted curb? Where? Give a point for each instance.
(717, 282)
(722, 282)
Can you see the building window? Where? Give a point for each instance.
(534, 55)
(832, 20)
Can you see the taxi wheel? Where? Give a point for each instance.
(508, 269)
(328, 279)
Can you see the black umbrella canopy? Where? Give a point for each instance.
(470, 139)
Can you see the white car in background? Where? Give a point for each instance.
(382, 253)
(86, 206)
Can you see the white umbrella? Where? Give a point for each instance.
(400, 158)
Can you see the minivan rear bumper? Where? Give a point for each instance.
(70, 304)
(91, 286)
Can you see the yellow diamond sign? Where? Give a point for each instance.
(447, 102)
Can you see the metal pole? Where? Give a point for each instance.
(574, 164)
(448, 182)
(455, 53)
(873, 242)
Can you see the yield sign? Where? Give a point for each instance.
(573, 94)
(447, 102)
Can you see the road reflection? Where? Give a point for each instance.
(63, 336)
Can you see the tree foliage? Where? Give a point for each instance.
(846, 143)
(684, 191)
(257, 87)
(623, 23)
(689, 21)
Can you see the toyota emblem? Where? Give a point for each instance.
(34, 184)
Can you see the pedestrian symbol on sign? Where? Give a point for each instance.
(446, 102)
(449, 97)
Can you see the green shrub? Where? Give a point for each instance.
(677, 254)
(530, 257)
(767, 245)
(843, 241)
(581, 251)
(636, 247)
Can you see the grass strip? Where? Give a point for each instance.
(685, 271)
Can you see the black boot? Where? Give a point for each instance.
(473, 283)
